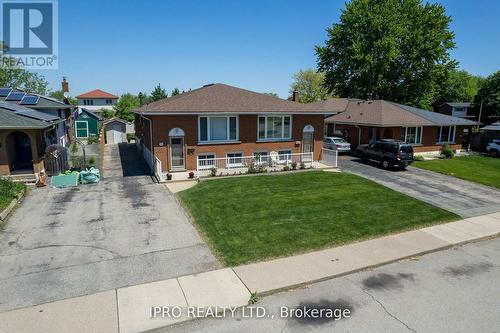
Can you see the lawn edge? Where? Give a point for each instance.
(199, 230)
(454, 176)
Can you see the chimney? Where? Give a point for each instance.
(295, 96)
(65, 85)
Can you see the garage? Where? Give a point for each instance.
(116, 130)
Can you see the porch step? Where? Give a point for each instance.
(23, 178)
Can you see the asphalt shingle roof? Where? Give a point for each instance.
(385, 114)
(222, 98)
(10, 120)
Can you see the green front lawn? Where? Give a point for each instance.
(8, 191)
(479, 169)
(253, 218)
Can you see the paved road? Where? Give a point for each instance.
(123, 231)
(461, 197)
(450, 291)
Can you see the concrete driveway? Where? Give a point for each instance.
(126, 230)
(461, 197)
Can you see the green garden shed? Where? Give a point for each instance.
(87, 123)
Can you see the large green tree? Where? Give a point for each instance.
(158, 93)
(310, 86)
(123, 108)
(22, 79)
(489, 93)
(392, 49)
(460, 87)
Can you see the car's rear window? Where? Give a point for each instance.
(406, 149)
(339, 141)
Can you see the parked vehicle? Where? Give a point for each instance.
(336, 143)
(493, 148)
(388, 152)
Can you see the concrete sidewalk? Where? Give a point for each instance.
(129, 309)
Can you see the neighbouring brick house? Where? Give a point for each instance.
(218, 120)
(456, 109)
(365, 122)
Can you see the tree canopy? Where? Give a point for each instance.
(158, 93)
(460, 87)
(489, 93)
(393, 49)
(22, 79)
(310, 86)
(123, 108)
(59, 95)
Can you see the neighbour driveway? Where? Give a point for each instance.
(461, 197)
(123, 231)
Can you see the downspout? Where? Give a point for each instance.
(359, 134)
(150, 142)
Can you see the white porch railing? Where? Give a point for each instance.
(158, 170)
(251, 164)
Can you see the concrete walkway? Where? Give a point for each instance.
(129, 309)
(461, 197)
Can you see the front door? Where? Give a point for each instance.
(177, 153)
(307, 143)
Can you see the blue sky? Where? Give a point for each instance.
(130, 46)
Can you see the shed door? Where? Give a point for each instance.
(82, 129)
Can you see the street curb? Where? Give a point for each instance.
(330, 277)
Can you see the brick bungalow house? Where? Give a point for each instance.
(24, 135)
(364, 122)
(218, 120)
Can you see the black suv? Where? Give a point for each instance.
(387, 152)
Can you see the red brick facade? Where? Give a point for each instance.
(363, 134)
(247, 144)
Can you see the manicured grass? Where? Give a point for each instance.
(8, 191)
(253, 218)
(479, 169)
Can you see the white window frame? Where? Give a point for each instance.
(86, 128)
(453, 129)
(206, 167)
(228, 129)
(229, 158)
(416, 131)
(283, 138)
(261, 151)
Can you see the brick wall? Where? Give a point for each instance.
(162, 124)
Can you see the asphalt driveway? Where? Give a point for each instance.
(461, 197)
(126, 230)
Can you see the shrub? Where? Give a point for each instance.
(74, 148)
(294, 165)
(418, 158)
(130, 137)
(302, 165)
(254, 167)
(286, 168)
(92, 139)
(91, 161)
(213, 171)
(446, 151)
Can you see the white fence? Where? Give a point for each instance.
(329, 157)
(226, 166)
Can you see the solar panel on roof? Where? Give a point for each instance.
(30, 100)
(37, 115)
(15, 96)
(5, 91)
(12, 106)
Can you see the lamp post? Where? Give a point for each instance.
(481, 108)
